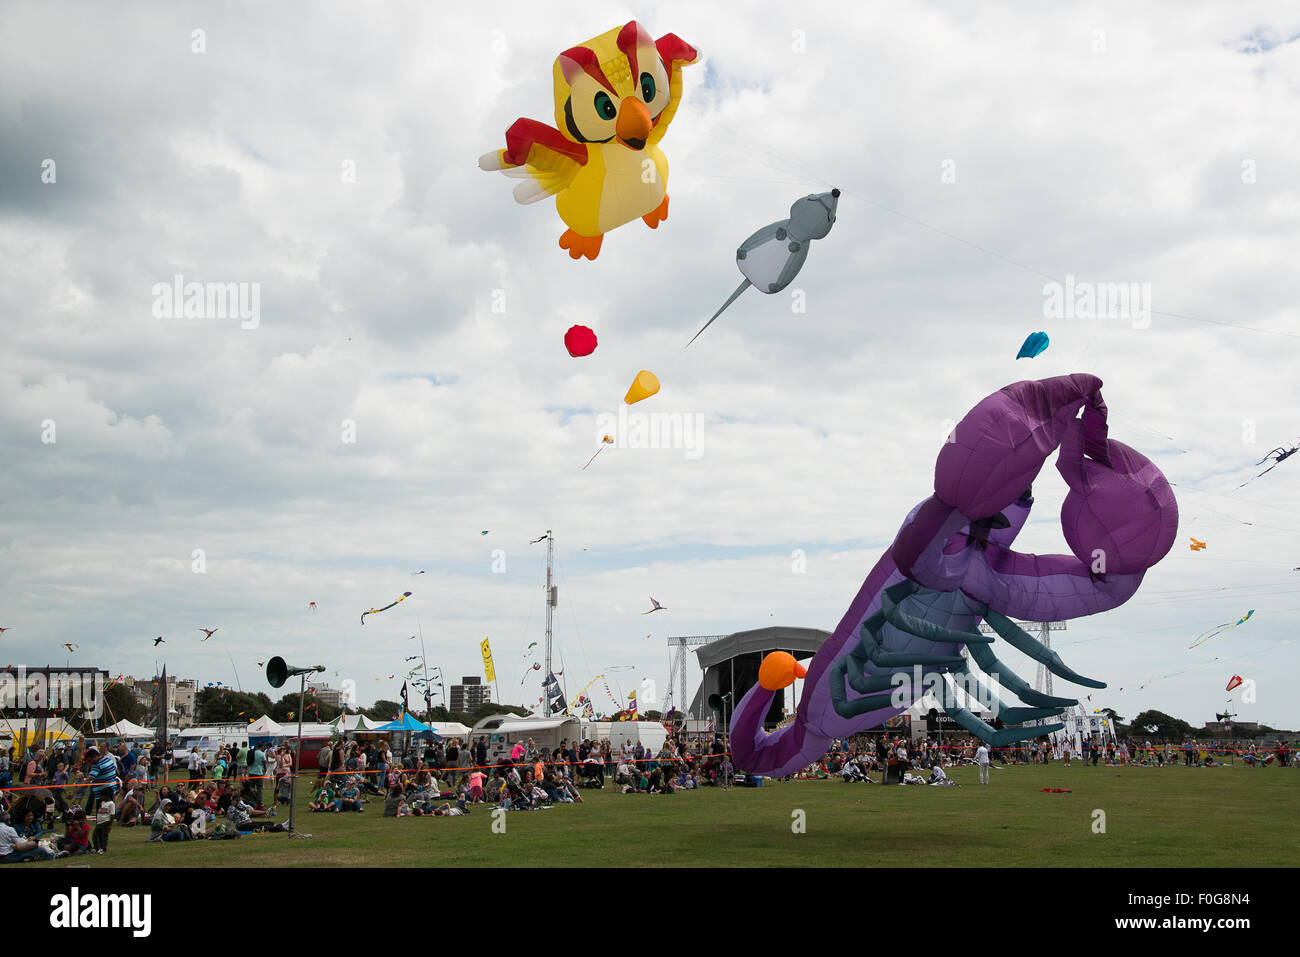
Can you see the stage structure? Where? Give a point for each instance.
(730, 666)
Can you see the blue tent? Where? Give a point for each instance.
(407, 723)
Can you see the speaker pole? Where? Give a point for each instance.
(297, 753)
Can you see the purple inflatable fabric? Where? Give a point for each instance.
(952, 565)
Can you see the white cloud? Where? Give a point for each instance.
(820, 429)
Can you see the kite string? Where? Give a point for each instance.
(1219, 662)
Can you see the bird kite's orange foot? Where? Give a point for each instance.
(579, 245)
(657, 216)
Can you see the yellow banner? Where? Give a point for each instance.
(488, 671)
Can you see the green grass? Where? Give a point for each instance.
(1154, 817)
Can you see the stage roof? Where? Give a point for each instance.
(800, 642)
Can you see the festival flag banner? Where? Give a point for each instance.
(488, 671)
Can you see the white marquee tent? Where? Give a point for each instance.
(264, 727)
(125, 729)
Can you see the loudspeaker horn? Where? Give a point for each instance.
(277, 672)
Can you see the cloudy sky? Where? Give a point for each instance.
(405, 388)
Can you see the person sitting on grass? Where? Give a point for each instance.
(78, 833)
(852, 771)
(164, 794)
(569, 792)
(349, 799)
(394, 799)
(492, 793)
(28, 827)
(15, 848)
(535, 791)
(550, 787)
(625, 774)
(939, 779)
(240, 818)
(324, 799)
(131, 812)
(164, 827)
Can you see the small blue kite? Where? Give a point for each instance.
(1035, 344)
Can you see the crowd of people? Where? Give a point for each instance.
(895, 761)
(89, 790)
(129, 785)
(446, 779)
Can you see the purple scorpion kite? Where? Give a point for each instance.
(952, 565)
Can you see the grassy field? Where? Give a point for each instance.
(1154, 817)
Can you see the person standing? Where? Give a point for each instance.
(283, 763)
(361, 762)
(464, 763)
(240, 763)
(982, 759)
(451, 759)
(383, 757)
(104, 781)
(323, 761)
(256, 772)
(34, 772)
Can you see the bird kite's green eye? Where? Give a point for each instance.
(605, 106)
(647, 87)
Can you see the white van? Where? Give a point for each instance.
(207, 740)
(651, 734)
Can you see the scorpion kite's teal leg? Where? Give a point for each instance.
(986, 696)
(1021, 640)
(1017, 685)
(999, 739)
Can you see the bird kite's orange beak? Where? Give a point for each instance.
(633, 124)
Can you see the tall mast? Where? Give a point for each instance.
(550, 606)
(424, 661)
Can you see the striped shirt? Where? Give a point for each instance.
(104, 772)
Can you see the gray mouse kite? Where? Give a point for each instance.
(773, 256)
